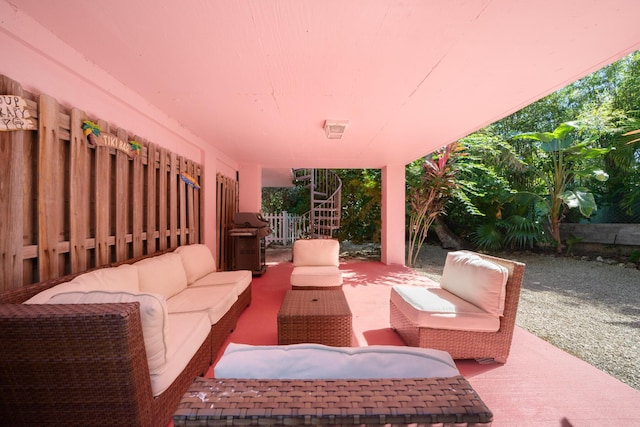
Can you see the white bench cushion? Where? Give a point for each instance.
(476, 280)
(316, 361)
(153, 316)
(187, 332)
(197, 261)
(213, 300)
(316, 276)
(163, 274)
(241, 279)
(439, 309)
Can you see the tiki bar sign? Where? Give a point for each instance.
(98, 138)
(14, 114)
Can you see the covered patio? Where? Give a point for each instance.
(540, 385)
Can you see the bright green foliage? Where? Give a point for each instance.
(361, 197)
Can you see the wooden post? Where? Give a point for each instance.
(11, 194)
(48, 192)
(152, 198)
(137, 194)
(78, 193)
(121, 202)
(102, 200)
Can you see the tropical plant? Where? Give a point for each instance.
(427, 199)
(564, 161)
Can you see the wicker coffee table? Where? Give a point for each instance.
(321, 317)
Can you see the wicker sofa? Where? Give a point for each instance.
(98, 348)
(471, 315)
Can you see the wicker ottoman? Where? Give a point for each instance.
(320, 317)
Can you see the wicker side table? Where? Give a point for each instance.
(321, 317)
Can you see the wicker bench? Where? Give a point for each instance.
(372, 402)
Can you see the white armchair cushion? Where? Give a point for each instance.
(316, 361)
(163, 274)
(197, 261)
(314, 252)
(476, 280)
(317, 276)
(153, 316)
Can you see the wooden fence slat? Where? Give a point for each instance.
(163, 199)
(172, 182)
(48, 172)
(78, 193)
(152, 220)
(102, 200)
(182, 201)
(190, 219)
(137, 195)
(11, 224)
(122, 205)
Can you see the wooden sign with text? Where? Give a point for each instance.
(112, 141)
(14, 114)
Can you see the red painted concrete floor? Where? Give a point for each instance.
(540, 385)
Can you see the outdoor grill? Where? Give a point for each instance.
(249, 232)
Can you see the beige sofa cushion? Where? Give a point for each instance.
(197, 261)
(475, 280)
(309, 252)
(216, 301)
(187, 332)
(240, 279)
(318, 276)
(153, 316)
(163, 274)
(123, 278)
(439, 309)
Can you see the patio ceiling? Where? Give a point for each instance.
(258, 78)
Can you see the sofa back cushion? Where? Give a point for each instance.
(163, 274)
(115, 279)
(476, 280)
(312, 252)
(153, 316)
(197, 261)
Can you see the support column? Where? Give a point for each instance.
(393, 214)
(250, 187)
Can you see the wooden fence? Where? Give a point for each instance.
(287, 228)
(68, 204)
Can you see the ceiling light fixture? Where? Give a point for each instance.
(335, 128)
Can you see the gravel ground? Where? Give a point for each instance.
(588, 308)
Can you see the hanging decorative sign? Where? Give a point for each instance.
(97, 138)
(191, 181)
(14, 114)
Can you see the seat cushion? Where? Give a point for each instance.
(316, 252)
(163, 274)
(213, 300)
(153, 317)
(476, 280)
(240, 279)
(317, 276)
(439, 309)
(317, 361)
(197, 261)
(187, 332)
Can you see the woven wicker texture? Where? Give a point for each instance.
(315, 317)
(217, 402)
(465, 344)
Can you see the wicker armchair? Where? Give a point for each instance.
(467, 344)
